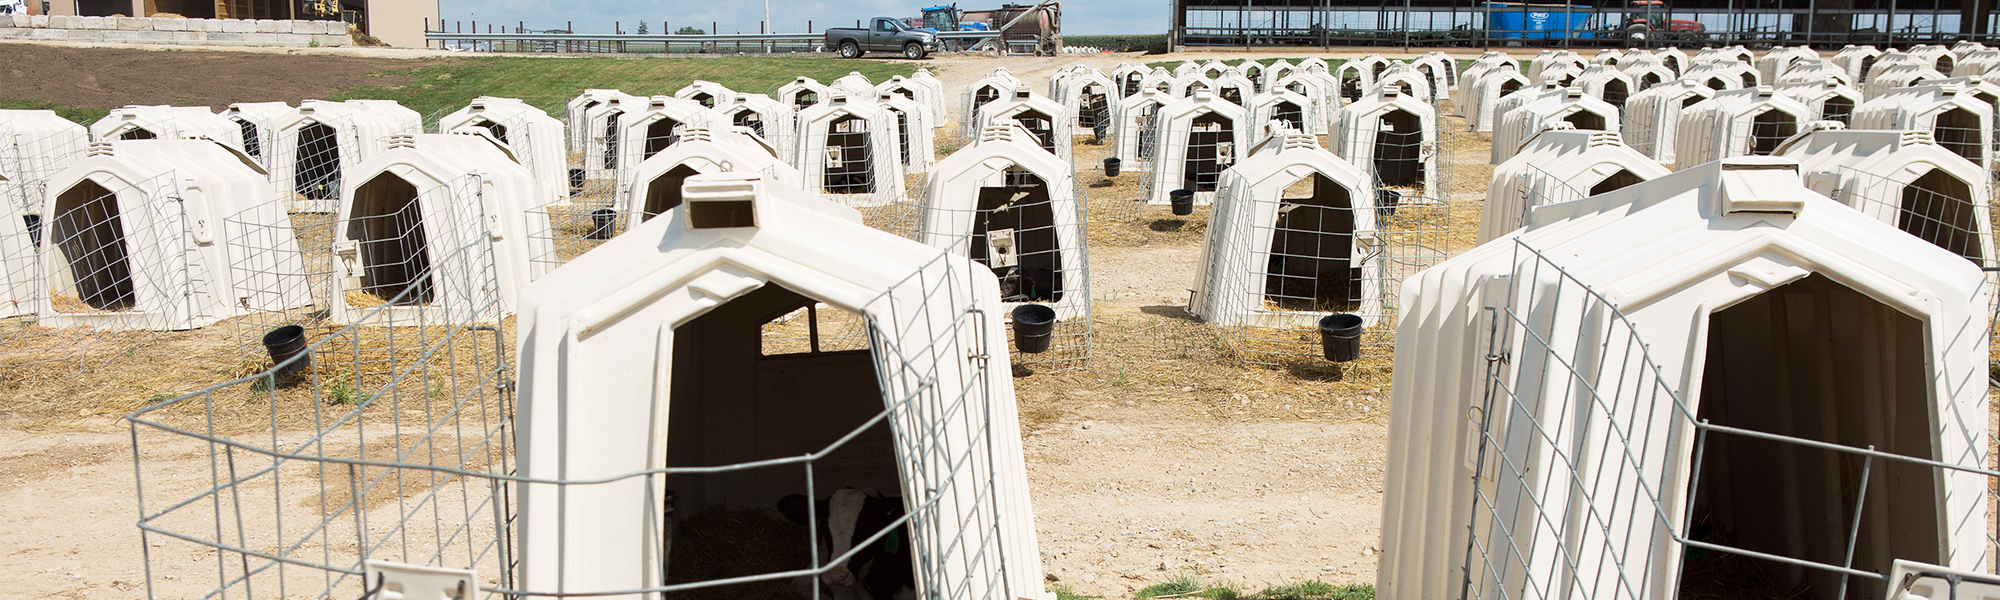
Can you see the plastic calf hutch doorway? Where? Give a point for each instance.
(1817, 360)
(387, 223)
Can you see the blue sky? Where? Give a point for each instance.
(1080, 17)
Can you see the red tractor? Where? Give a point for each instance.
(1647, 22)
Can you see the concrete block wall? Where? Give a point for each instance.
(221, 32)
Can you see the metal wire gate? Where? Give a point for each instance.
(1584, 445)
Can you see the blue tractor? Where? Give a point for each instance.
(943, 18)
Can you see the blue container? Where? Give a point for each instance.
(1539, 21)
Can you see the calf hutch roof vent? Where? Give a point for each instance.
(1393, 138)
(315, 144)
(1902, 178)
(1662, 326)
(530, 134)
(1045, 119)
(1196, 139)
(164, 235)
(680, 369)
(440, 224)
(1571, 106)
(1007, 204)
(848, 152)
(1486, 93)
(1560, 165)
(655, 186)
(1956, 117)
(1742, 122)
(166, 123)
(1652, 119)
(1293, 235)
(40, 144)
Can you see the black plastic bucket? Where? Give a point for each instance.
(1032, 325)
(1111, 167)
(284, 343)
(1183, 201)
(575, 181)
(1340, 337)
(603, 223)
(34, 223)
(1386, 201)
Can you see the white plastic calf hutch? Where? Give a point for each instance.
(855, 85)
(1133, 128)
(1288, 107)
(1502, 81)
(1469, 80)
(1608, 84)
(1750, 121)
(1813, 71)
(655, 185)
(656, 126)
(581, 118)
(1721, 76)
(1673, 58)
(913, 131)
(1087, 96)
(1689, 370)
(756, 344)
(709, 94)
(1902, 178)
(1404, 79)
(767, 118)
(318, 141)
(1007, 204)
(165, 235)
(1559, 165)
(531, 135)
(1393, 138)
(847, 151)
(1292, 236)
(1957, 118)
(1827, 99)
(1652, 118)
(167, 123)
(1052, 128)
(1196, 139)
(1856, 61)
(34, 146)
(1440, 70)
(1900, 76)
(1777, 61)
(803, 93)
(931, 100)
(1571, 106)
(407, 234)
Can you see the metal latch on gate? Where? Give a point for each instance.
(387, 580)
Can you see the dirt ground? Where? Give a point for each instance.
(1165, 457)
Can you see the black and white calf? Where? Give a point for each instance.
(878, 571)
